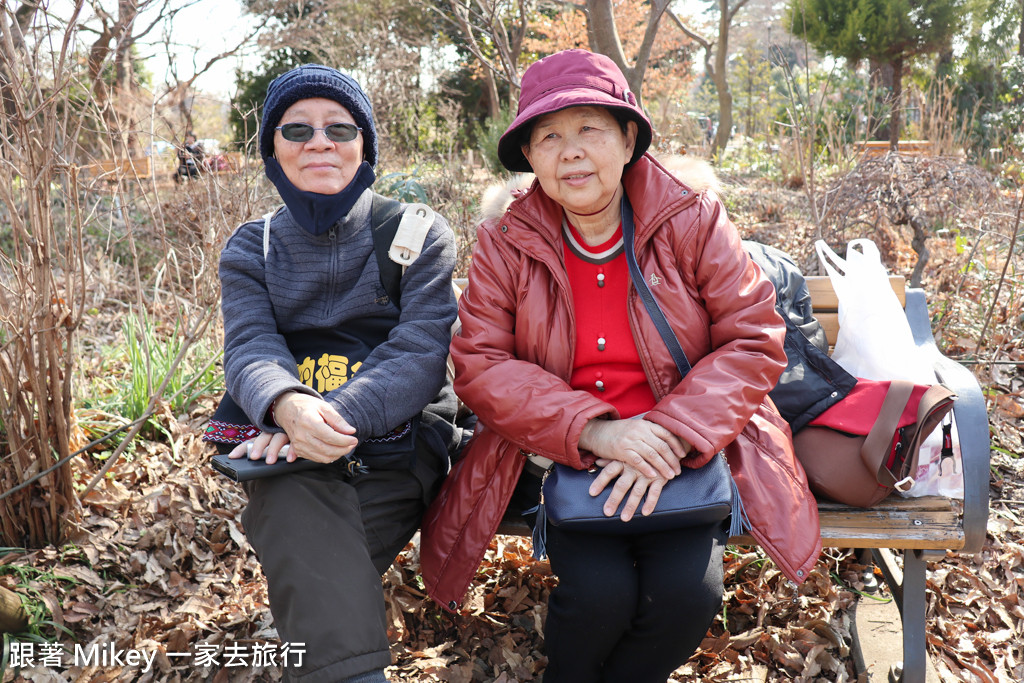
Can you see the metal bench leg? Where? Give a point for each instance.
(908, 589)
(915, 659)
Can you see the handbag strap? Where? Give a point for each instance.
(646, 295)
(878, 443)
(740, 522)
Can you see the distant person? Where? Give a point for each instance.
(190, 157)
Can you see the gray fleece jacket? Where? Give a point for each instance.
(332, 281)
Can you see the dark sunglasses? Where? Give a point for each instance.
(303, 132)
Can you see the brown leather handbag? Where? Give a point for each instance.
(866, 445)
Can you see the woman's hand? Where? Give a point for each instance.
(630, 486)
(648, 448)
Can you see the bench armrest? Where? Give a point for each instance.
(971, 422)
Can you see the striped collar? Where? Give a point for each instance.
(606, 252)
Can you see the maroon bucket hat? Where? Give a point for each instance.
(571, 78)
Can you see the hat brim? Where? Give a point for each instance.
(510, 151)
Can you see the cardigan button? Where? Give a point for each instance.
(600, 343)
(452, 605)
(504, 228)
(686, 192)
(600, 385)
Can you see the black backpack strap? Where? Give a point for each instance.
(385, 216)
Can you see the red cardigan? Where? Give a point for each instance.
(605, 362)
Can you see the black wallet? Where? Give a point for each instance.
(244, 469)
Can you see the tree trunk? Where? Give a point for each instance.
(13, 618)
(897, 104)
(721, 80)
(96, 61)
(880, 77)
(490, 80)
(1020, 36)
(604, 38)
(23, 18)
(748, 128)
(493, 103)
(724, 132)
(944, 64)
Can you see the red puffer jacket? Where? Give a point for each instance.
(514, 356)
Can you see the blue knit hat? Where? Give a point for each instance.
(315, 80)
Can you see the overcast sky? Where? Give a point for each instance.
(201, 32)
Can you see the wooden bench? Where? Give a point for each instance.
(918, 529)
(115, 170)
(877, 148)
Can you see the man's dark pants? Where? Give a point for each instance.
(324, 541)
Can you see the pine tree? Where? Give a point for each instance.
(888, 33)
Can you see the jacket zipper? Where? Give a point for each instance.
(332, 235)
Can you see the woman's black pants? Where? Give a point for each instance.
(630, 608)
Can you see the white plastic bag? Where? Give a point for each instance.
(875, 342)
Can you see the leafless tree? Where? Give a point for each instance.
(15, 26)
(494, 31)
(116, 34)
(899, 191)
(42, 290)
(604, 38)
(180, 86)
(716, 64)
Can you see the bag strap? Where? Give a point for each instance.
(878, 443)
(385, 217)
(740, 523)
(647, 296)
(266, 231)
(935, 403)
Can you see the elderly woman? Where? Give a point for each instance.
(558, 358)
(329, 368)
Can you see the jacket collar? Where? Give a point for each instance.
(355, 219)
(655, 194)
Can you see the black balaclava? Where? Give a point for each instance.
(317, 212)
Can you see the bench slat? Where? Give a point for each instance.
(823, 297)
(117, 169)
(875, 148)
(931, 522)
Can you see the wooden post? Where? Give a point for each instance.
(13, 618)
